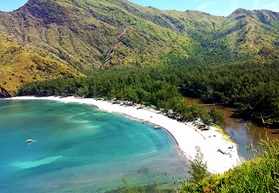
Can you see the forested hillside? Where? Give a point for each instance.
(54, 37)
(250, 87)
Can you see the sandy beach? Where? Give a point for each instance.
(220, 153)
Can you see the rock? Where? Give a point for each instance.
(4, 93)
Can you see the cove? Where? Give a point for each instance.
(80, 149)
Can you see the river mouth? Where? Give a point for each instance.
(80, 149)
(245, 133)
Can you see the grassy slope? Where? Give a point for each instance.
(20, 64)
(86, 33)
(248, 33)
(244, 34)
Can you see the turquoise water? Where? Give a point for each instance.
(77, 148)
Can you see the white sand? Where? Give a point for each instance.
(186, 135)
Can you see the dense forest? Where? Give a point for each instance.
(250, 87)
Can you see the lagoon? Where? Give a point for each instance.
(78, 148)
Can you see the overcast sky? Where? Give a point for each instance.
(214, 7)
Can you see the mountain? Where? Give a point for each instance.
(89, 33)
(21, 63)
(252, 32)
(84, 34)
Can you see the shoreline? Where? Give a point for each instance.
(219, 152)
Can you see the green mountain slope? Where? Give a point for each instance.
(105, 33)
(242, 35)
(87, 33)
(21, 64)
(252, 32)
(91, 33)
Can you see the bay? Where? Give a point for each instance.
(77, 148)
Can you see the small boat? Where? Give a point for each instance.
(29, 140)
(158, 127)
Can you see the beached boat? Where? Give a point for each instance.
(158, 127)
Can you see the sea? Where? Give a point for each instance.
(78, 148)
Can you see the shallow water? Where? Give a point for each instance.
(77, 148)
(246, 134)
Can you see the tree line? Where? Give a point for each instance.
(250, 87)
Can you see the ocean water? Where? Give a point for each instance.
(77, 148)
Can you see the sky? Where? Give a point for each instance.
(10, 5)
(214, 7)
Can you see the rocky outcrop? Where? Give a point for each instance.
(4, 93)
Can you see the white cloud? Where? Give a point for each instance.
(203, 6)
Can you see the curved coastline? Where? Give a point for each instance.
(220, 153)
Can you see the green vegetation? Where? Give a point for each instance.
(217, 116)
(250, 87)
(155, 57)
(259, 175)
(129, 189)
(107, 34)
(150, 86)
(199, 168)
(20, 64)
